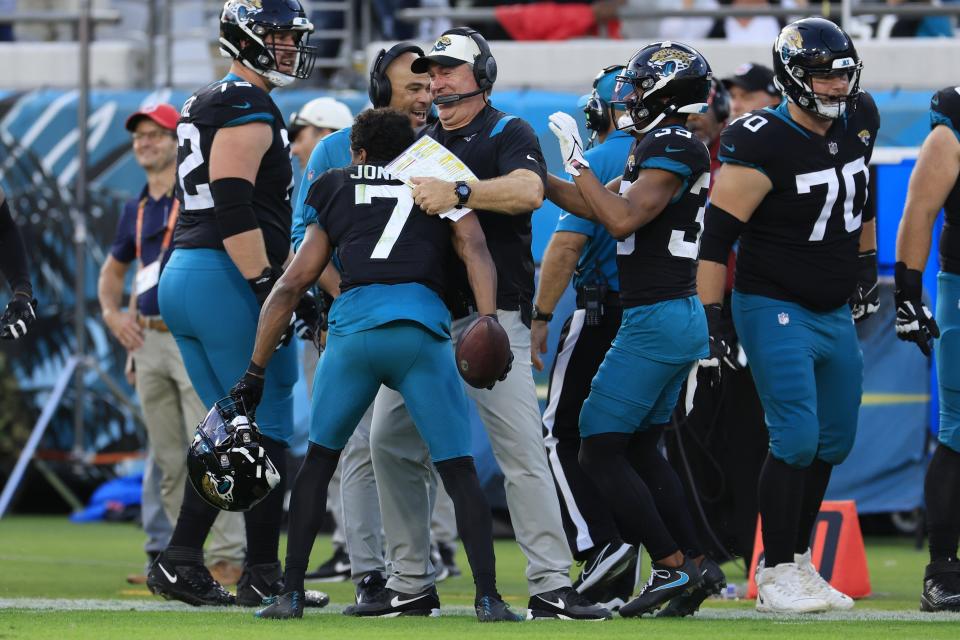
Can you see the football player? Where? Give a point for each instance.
(792, 188)
(655, 211)
(935, 185)
(21, 310)
(231, 240)
(388, 326)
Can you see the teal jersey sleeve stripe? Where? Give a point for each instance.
(501, 123)
(310, 216)
(937, 118)
(728, 160)
(667, 164)
(250, 117)
(783, 113)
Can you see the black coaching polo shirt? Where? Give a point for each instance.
(494, 144)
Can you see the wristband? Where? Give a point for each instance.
(254, 369)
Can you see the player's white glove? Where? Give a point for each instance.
(571, 148)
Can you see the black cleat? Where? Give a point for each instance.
(261, 582)
(368, 590)
(564, 604)
(605, 565)
(282, 607)
(336, 569)
(688, 602)
(613, 594)
(941, 586)
(665, 583)
(448, 553)
(494, 609)
(391, 604)
(190, 583)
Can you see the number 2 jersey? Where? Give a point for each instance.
(232, 102)
(658, 261)
(802, 242)
(391, 254)
(945, 111)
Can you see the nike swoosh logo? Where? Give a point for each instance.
(397, 602)
(171, 578)
(531, 158)
(683, 579)
(588, 570)
(729, 147)
(245, 105)
(259, 593)
(670, 149)
(558, 604)
(563, 215)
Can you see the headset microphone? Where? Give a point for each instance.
(456, 97)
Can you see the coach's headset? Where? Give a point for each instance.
(484, 66)
(380, 89)
(597, 110)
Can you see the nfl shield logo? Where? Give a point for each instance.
(783, 318)
(833, 148)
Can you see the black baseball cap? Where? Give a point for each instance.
(752, 77)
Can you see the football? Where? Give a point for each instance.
(483, 352)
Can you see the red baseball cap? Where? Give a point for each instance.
(165, 115)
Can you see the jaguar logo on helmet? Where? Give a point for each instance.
(790, 42)
(864, 136)
(442, 44)
(670, 60)
(218, 489)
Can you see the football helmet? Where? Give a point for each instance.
(815, 47)
(226, 463)
(246, 27)
(661, 80)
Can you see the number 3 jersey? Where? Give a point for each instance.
(391, 254)
(232, 102)
(801, 243)
(658, 261)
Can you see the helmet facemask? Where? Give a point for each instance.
(824, 105)
(644, 105)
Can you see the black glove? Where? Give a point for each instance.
(723, 339)
(509, 366)
(306, 321)
(914, 321)
(865, 300)
(262, 285)
(17, 317)
(249, 389)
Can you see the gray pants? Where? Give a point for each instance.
(172, 410)
(511, 416)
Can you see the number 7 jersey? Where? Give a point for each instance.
(801, 243)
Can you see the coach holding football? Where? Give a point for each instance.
(503, 152)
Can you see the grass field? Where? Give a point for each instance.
(60, 580)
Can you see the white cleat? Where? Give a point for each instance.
(780, 589)
(816, 585)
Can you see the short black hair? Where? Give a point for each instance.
(382, 133)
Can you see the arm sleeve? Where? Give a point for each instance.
(518, 148)
(746, 147)
(13, 253)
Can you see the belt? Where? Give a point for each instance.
(154, 323)
(612, 299)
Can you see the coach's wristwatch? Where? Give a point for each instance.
(540, 315)
(462, 189)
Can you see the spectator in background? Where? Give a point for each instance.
(314, 122)
(906, 27)
(171, 408)
(757, 29)
(682, 28)
(751, 87)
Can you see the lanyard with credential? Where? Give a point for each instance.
(168, 234)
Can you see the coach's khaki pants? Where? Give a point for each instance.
(172, 410)
(511, 416)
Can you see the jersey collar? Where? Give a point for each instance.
(471, 128)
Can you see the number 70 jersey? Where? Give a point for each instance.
(801, 243)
